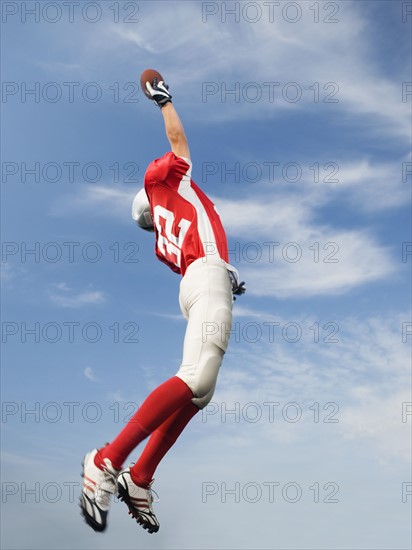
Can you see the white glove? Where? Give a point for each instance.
(159, 92)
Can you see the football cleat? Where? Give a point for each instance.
(139, 501)
(98, 488)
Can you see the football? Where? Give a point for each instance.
(147, 76)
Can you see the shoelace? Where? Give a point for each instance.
(103, 495)
(149, 490)
(150, 493)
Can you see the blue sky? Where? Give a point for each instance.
(304, 160)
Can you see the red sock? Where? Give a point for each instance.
(157, 407)
(159, 443)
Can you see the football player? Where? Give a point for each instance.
(190, 240)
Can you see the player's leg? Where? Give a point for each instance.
(167, 398)
(206, 301)
(101, 467)
(134, 484)
(160, 443)
(206, 294)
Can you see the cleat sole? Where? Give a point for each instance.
(139, 520)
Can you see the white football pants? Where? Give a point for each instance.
(206, 301)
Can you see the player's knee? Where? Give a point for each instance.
(203, 387)
(201, 402)
(201, 378)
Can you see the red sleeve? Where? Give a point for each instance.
(168, 170)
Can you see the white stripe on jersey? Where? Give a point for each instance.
(204, 226)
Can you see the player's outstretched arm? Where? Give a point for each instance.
(160, 94)
(175, 131)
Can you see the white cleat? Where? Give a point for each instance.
(98, 488)
(139, 501)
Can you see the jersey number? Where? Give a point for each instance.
(169, 244)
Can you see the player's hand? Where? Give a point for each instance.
(159, 92)
(239, 289)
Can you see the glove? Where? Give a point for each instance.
(239, 289)
(159, 92)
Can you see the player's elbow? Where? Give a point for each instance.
(179, 145)
(176, 136)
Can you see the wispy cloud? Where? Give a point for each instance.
(338, 52)
(287, 239)
(7, 272)
(59, 66)
(370, 187)
(88, 372)
(376, 419)
(366, 371)
(20, 459)
(173, 316)
(64, 296)
(97, 201)
(266, 51)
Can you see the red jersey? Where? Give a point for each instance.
(187, 225)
